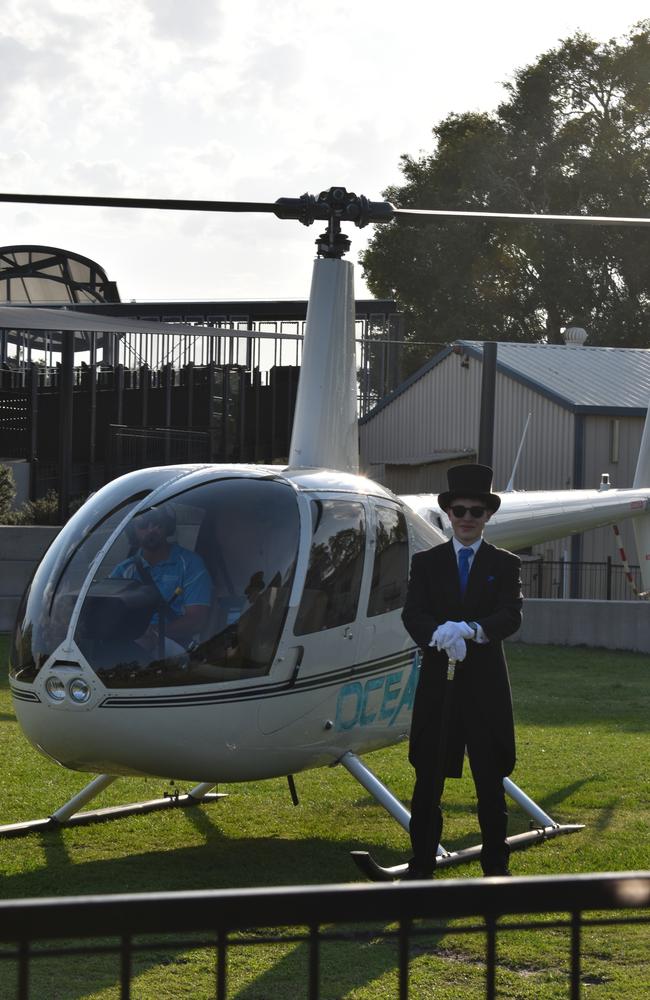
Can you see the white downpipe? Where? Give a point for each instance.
(325, 430)
(641, 525)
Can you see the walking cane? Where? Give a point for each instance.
(447, 707)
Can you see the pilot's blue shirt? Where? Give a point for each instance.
(181, 578)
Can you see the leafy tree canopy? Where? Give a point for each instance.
(571, 138)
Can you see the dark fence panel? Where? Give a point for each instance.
(218, 915)
(596, 581)
(14, 423)
(245, 420)
(132, 448)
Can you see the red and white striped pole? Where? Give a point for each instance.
(621, 551)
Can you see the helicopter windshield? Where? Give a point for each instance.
(195, 589)
(44, 614)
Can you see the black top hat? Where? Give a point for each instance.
(471, 481)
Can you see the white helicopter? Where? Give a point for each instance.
(301, 660)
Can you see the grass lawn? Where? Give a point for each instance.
(584, 755)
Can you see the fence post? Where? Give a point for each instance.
(33, 428)
(189, 381)
(66, 403)
(609, 578)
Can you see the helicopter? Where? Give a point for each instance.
(299, 659)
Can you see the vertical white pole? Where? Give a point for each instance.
(325, 430)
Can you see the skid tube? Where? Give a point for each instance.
(545, 828)
(69, 815)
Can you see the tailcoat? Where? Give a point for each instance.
(482, 703)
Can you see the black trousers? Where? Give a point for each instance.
(426, 814)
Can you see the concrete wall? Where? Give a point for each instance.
(21, 549)
(607, 624)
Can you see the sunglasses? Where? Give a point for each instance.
(459, 511)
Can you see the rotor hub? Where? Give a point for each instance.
(335, 206)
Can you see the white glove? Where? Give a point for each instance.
(450, 638)
(450, 632)
(457, 650)
(442, 636)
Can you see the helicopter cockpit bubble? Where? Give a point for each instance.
(48, 603)
(194, 589)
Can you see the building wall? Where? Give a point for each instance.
(546, 461)
(440, 413)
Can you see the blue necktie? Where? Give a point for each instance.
(464, 557)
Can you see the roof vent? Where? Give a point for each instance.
(574, 335)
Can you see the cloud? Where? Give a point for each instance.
(23, 66)
(279, 67)
(195, 22)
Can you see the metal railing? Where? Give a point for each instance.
(595, 581)
(416, 908)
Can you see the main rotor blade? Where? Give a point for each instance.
(183, 205)
(54, 320)
(581, 220)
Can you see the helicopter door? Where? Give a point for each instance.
(325, 621)
(324, 635)
(380, 616)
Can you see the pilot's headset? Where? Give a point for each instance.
(164, 515)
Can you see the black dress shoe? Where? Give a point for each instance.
(415, 874)
(498, 871)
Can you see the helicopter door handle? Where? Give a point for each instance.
(348, 632)
(300, 652)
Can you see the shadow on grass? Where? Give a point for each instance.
(222, 862)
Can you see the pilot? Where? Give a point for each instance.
(464, 598)
(179, 575)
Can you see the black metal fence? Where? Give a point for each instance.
(118, 924)
(124, 419)
(595, 581)
(271, 337)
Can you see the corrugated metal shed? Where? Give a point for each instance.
(598, 378)
(605, 379)
(588, 406)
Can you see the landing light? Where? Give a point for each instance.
(79, 690)
(55, 688)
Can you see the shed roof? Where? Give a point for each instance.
(607, 380)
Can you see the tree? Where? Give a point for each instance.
(7, 491)
(572, 137)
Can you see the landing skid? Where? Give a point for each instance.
(377, 873)
(545, 827)
(69, 815)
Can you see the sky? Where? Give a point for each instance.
(241, 99)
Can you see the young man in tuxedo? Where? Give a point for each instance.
(464, 598)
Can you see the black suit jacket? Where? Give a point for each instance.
(482, 703)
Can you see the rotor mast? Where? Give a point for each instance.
(325, 427)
